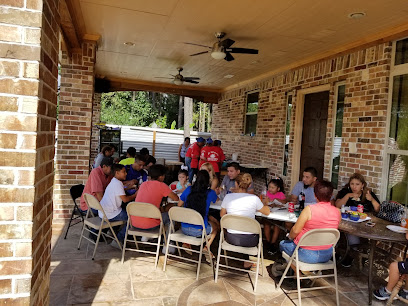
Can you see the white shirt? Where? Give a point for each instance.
(111, 201)
(241, 204)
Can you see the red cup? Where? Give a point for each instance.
(360, 208)
(291, 207)
(173, 186)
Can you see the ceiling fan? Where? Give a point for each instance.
(222, 48)
(178, 79)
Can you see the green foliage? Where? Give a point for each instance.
(173, 125)
(162, 122)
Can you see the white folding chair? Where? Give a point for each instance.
(145, 210)
(97, 223)
(186, 215)
(316, 237)
(244, 224)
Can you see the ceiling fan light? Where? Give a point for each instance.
(177, 82)
(218, 55)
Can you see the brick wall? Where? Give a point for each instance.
(28, 84)
(74, 126)
(96, 117)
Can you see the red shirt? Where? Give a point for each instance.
(220, 154)
(188, 152)
(212, 154)
(195, 155)
(204, 153)
(97, 182)
(150, 192)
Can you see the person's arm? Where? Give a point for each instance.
(99, 195)
(179, 151)
(128, 198)
(342, 201)
(223, 212)
(214, 184)
(300, 223)
(373, 201)
(173, 196)
(265, 210)
(180, 203)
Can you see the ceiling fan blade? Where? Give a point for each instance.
(187, 43)
(191, 78)
(226, 43)
(229, 57)
(199, 53)
(163, 78)
(191, 81)
(242, 50)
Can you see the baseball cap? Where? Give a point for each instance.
(209, 140)
(200, 139)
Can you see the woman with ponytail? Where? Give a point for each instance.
(199, 196)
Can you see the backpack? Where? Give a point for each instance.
(275, 272)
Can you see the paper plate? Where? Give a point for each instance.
(397, 229)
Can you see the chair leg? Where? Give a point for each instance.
(298, 281)
(124, 244)
(156, 261)
(257, 269)
(178, 248)
(97, 242)
(82, 234)
(218, 259)
(226, 260)
(114, 235)
(263, 266)
(69, 224)
(137, 245)
(285, 272)
(167, 249)
(314, 279)
(396, 289)
(199, 261)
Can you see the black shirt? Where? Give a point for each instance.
(368, 206)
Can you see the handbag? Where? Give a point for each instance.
(391, 211)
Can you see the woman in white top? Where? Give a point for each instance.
(243, 204)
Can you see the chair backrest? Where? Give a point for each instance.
(92, 202)
(187, 215)
(240, 223)
(76, 191)
(321, 236)
(146, 210)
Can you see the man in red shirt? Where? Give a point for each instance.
(204, 152)
(195, 157)
(221, 156)
(97, 182)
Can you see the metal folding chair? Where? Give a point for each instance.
(76, 192)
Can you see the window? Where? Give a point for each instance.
(337, 137)
(251, 115)
(397, 145)
(287, 135)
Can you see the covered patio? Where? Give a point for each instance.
(351, 57)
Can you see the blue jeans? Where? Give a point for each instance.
(188, 162)
(121, 217)
(195, 232)
(94, 211)
(308, 256)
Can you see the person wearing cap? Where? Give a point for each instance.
(204, 152)
(195, 157)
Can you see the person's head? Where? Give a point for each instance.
(144, 152)
(106, 165)
(107, 151)
(233, 170)
(150, 161)
(309, 176)
(209, 142)
(243, 181)
(131, 152)
(139, 163)
(114, 148)
(209, 168)
(187, 141)
(200, 141)
(183, 176)
(275, 185)
(119, 172)
(217, 143)
(323, 191)
(197, 199)
(357, 184)
(157, 172)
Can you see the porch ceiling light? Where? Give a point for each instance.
(177, 81)
(218, 55)
(356, 15)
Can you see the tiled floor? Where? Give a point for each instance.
(76, 279)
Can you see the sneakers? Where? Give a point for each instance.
(403, 294)
(381, 294)
(115, 245)
(347, 262)
(144, 239)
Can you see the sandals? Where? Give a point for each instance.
(205, 251)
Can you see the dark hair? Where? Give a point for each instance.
(217, 143)
(131, 151)
(185, 172)
(144, 151)
(311, 170)
(359, 177)
(197, 199)
(187, 138)
(234, 165)
(140, 158)
(105, 149)
(278, 182)
(117, 167)
(114, 147)
(323, 190)
(106, 161)
(156, 171)
(151, 159)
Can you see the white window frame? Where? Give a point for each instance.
(289, 94)
(250, 113)
(394, 71)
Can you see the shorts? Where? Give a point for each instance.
(195, 232)
(403, 267)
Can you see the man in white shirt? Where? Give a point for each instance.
(112, 200)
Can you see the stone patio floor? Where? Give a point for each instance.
(78, 280)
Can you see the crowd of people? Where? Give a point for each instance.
(137, 178)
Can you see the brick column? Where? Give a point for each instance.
(28, 99)
(96, 117)
(74, 126)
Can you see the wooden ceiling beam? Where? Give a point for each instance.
(207, 95)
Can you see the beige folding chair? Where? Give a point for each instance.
(316, 237)
(97, 223)
(145, 210)
(243, 224)
(186, 215)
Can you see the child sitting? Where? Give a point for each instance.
(274, 192)
(182, 183)
(112, 201)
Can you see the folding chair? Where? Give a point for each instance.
(316, 237)
(244, 224)
(145, 210)
(76, 192)
(186, 215)
(97, 223)
(394, 294)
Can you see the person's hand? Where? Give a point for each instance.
(353, 195)
(369, 196)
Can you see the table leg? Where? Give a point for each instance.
(370, 271)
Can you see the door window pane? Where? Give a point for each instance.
(251, 115)
(398, 137)
(287, 135)
(338, 135)
(397, 179)
(401, 52)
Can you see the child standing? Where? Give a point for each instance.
(274, 192)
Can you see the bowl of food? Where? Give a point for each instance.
(353, 208)
(354, 217)
(345, 215)
(363, 216)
